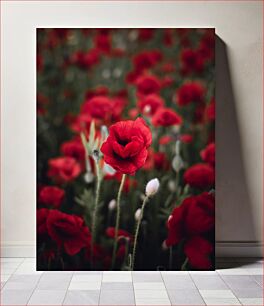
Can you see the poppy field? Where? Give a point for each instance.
(125, 149)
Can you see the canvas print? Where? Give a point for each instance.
(125, 149)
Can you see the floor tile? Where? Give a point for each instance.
(251, 301)
(254, 271)
(2, 284)
(27, 268)
(85, 286)
(117, 297)
(117, 277)
(15, 297)
(209, 282)
(154, 276)
(34, 278)
(148, 293)
(153, 302)
(233, 271)
(217, 294)
(178, 282)
(149, 285)
(248, 293)
(221, 301)
(117, 286)
(30, 260)
(87, 278)
(185, 297)
(5, 277)
(47, 297)
(56, 281)
(240, 282)
(258, 279)
(203, 273)
(20, 285)
(87, 297)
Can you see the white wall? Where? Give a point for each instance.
(239, 127)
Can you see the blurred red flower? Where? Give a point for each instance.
(189, 92)
(145, 34)
(64, 169)
(125, 149)
(51, 195)
(208, 154)
(189, 222)
(166, 117)
(68, 231)
(86, 59)
(192, 61)
(73, 148)
(146, 59)
(110, 232)
(200, 176)
(148, 84)
(150, 104)
(210, 111)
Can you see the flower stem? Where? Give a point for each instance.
(95, 211)
(170, 259)
(137, 232)
(184, 264)
(117, 219)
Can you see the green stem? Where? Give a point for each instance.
(117, 219)
(94, 218)
(137, 232)
(170, 259)
(184, 264)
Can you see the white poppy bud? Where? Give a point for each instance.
(164, 246)
(152, 187)
(147, 109)
(137, 214)
(171, 186)
(88, 177)
(112, 204)
(177, 163)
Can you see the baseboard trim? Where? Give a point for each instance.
(239, 249)
(223, 249)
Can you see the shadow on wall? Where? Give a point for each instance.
(234, 219)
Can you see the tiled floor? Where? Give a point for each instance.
(235, 282)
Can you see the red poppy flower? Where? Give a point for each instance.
(198, 249)
(165, 139)
(110, 232)
(200, 176)
(86, 59)
(51, 195)
(125, 149)
(166, 117)
(208, 154)
(145, 34)
(64, 169)
(73, 148)
(103, 108)
(148, 84)
(210, 111)
(150, 104)
(189, 222)
(146, 59)
(192, 61)
(68, 231)
(190, 92)
(186, 138)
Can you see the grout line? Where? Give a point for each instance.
(165, 287)
(197, 288)
(231, 288)
(133, 287)
(35, 287)
(67, 289)
(102, 275)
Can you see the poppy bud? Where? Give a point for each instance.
(152, 187)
